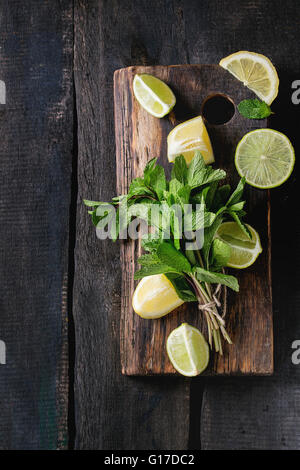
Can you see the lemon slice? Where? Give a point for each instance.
(243, 250)
(154, 297)
(256, 72)
(153, 95)
(265, 157)
(188, 137)
(187, 350)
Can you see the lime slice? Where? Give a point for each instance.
(153, 95)
(265, 157)
(154, 297)
(256, 71)
(243, 250)
(187, 350)
(188, 137)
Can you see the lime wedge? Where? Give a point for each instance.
(265, 157)
(243, 250)
(153, 95)
(187, 350)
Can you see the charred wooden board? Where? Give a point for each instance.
(139, 137)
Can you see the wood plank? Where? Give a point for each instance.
(36, 137)
(263, 412)
(112, 411)
(139, 137)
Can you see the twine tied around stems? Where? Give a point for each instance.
(215, 303)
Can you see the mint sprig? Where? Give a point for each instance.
(195, 272)
(254, 109)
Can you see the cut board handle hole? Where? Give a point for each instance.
(218, 109)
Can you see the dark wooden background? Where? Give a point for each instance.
(63, 386)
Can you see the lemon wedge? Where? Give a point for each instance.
(188, 137)
(256, 71)
(154, 297)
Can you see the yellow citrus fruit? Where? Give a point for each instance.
(256, 71)
(188, 137)
(154, 297)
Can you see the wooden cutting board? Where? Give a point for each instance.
(139, 137)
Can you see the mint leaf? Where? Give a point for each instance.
(150, 243)
(179, 170)
(148, 170)
(241, 224)
(158, 181)
(216, 278)
(169, 256)
(182, 287)
(139, 188)
(198, 174)
(220, 254)
(150, 270)
(254, 109)
(237, 193)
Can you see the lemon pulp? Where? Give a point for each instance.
(188, 137)
(154, 297)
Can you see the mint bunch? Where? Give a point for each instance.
(191, 206)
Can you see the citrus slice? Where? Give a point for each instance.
(153, 95)
(154, 297)
(256, 72)
(265, 157)
(187, 350)
(188, 137)
(243, 250)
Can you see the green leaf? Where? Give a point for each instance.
(150, 243)
(149, 259)
(254, 109)
(175, 186)
(89, 203)
(150, 270)
(182, 287)
(148, 170)
(179, 170)
(216, 278)
(221, 197)
(202, 219)
(238, 206)
(139, 188)
(158, 181)
(220, 254)
(169, 256)
(199, 174)
(241, 224)
(237, 193)
(209, 234)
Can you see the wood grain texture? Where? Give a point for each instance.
(36, 134)
(140, 137)
(112, 411)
